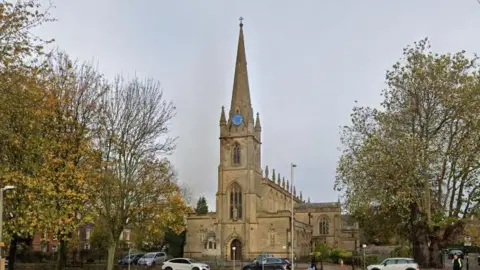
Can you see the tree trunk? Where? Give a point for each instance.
(62, 254)
(435, 260)
(419, 237)
(12, 251)
(111, 255)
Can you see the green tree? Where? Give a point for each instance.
(100, 238)
(202, 206)
(415, 159)
(322, 253)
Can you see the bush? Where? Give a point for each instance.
(358, 260)
(371, 259)
(32, 256)
(339, 254)
(402, 251)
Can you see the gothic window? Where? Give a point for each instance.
(235, 202)
(324, 225)
(210, 245)
(236, 153)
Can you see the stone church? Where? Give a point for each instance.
(254, 205)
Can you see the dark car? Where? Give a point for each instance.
(131, 259)
(287, 262)
(453, 252)
(270, 264)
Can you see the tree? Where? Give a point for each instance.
(20, 138)
(415, 160)
(152, 224)
(100, 238)
(202, 207)
(322, 253)
(71, 162)
(136, 186)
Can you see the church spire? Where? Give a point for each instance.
(241, 102)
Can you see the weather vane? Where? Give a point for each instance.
(241, 20)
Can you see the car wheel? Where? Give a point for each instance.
(168, 268)
(195, 268)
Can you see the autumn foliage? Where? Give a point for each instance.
(77, 146)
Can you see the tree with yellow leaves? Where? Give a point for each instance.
(71, 161)
(21, 117)
(162, 213)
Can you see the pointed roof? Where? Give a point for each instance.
(223, 121)
(241, 90)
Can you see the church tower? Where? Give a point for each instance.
(239, 170)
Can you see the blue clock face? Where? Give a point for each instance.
(237, 119)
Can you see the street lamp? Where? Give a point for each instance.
(234, 248)
(1, 217)
(292, 230)
(364, 266)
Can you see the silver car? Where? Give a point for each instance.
(152, 258)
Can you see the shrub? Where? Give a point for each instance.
(402, 251)
(358, 260)
(371, 259)
(339, 254)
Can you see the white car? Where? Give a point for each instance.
(184, 264)
(395, 264)
(152, 258)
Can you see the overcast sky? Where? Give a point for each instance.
(308, 61)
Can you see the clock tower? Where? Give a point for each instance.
(239, 170)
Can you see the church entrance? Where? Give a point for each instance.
(236, 250)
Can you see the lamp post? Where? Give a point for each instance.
(364, 266)
(292, 230)
(234, 248)
(1, 216)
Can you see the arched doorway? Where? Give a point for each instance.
(238, 250)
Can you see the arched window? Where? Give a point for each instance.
(210, 245)
(235, 202)
(236, 153)
(324, 225)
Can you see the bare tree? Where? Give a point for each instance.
(133, 133)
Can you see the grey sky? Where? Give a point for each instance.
(308, 61)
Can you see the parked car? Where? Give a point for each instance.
(457, 252)
(270, 263)
(184, 264)
(395, 264)
(152, 258)
(131, 259)
(287, 261)
(264, 256)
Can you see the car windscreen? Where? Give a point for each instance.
(149, 255)
(274, 260)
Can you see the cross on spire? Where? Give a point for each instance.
(241, 21)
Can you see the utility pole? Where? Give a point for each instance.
(292, 230)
